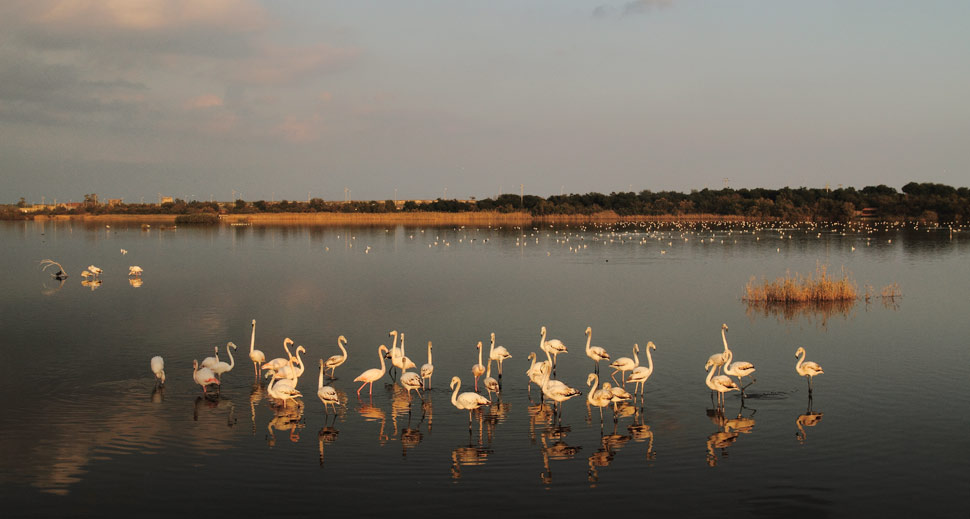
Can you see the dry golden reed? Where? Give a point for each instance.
(797, 288)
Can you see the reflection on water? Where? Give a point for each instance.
(728, 431)
(811, 418)
(285, 419)
(555, 448)
(327, 435)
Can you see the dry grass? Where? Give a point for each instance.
(797, 288)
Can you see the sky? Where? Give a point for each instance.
(222, 99)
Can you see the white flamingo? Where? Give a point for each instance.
(806, 369)
(498, 354)
(535, 371)
(158, 368)
(717, 360)
(208, 362)
(222, 367)
(597, 397)
(283, 389)
(596, 353)
(478, 369)
(94, 270)
(721, 383)
(257, 356)
(640, 374)
(203, 376)
(556, 390)
(427, 369)
(327, 394)
(409, 380)
(738, 369)
(371, 375)
(489, 383)
(466, 400)
(135, 270)
(624, 364)
(277, 364)
(295, 368)
(552, 347)
(337, 360)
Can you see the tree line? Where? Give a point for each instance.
(924, 201)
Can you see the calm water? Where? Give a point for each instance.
(85, 434)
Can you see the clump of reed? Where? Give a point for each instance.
(798, 288)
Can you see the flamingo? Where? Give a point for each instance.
(278, 363)
(428, 369)
(369, 376)
(490, 383)
(597, 397)
(498, 354)
(257, 356)
(624, 364)
(94, 270)
(208, 362)
(394, 354)
(556, 390)
(535, 371)
(410, 380)
(618, 395)
(738, 369)
(717, 360)
(552, 346)
(466, 400)
(203, 376)
(596, 353)
(290, 370)
(60, 275)
(283, 389)
(158, 368)
(806, 369)
(86, 274)
(640, 374)
(721, 383)
(221, 367)
(337, 360)
(327, 394)
(135, 270)
(478, 369)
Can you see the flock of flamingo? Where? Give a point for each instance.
(284, 373)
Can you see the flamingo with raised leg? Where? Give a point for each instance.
(337, 360)
(624, 364)
(640, 374)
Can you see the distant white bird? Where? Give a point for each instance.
(337, 360)
(806, 369)
(203, 376)
(158, 368)
(327, 394)
(596, 353)
(427, 369)
(123, 252)
(498, 354)
(95, 270)
(135, 270)
(86, 274)
(222, 367)
(467, 400)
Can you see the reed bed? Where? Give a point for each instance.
(813, 288)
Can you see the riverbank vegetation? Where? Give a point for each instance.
(925, 202)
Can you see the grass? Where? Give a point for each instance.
(813, 288)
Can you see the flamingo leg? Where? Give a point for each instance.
(361, 387)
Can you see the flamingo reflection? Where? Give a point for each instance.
(556, 451)
(285, 419)
(326, 435)
(809, 419)
(642, 432)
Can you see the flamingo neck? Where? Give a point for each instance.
(286, 347)
(429, 352)
(454, 395)
(320, 380)
(488, 370)
(636, 359)
(798, 365)
(589, 340)
(710, 375)
(232, 361)
(649, 361)
(491, 346)
(341, 346)
(724, 339)
(394, 344)
(533, 365)
(548, 357)
(479, 354)
(252, 340)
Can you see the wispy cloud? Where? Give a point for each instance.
(633, 8)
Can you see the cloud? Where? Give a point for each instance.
(276, 65)
(205, 101)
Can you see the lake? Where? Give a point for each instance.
(85, 431)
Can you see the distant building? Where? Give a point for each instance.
(166, 200)
(116, 201)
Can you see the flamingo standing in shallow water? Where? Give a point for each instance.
(203, 376)
(336, 360)
(257, 356)
(427, 369)
(552, 347)
(277, 364)
(624, 364)
(720, 383)
(640, 374)
(534, 372)
(158, 368)
(597, 397)
(371, 375)
(327, 394)
(596, 353)
(498, 354)
(467, 400)
(738, 369)
(717, 360)
(478, 369)
(806, 369)
(222, 367)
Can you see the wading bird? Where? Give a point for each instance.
(806, 369)
(337, 360)
(596, 353)
(371, 375)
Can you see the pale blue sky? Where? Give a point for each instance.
(197, 98)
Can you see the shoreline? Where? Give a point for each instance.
(410, 218)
